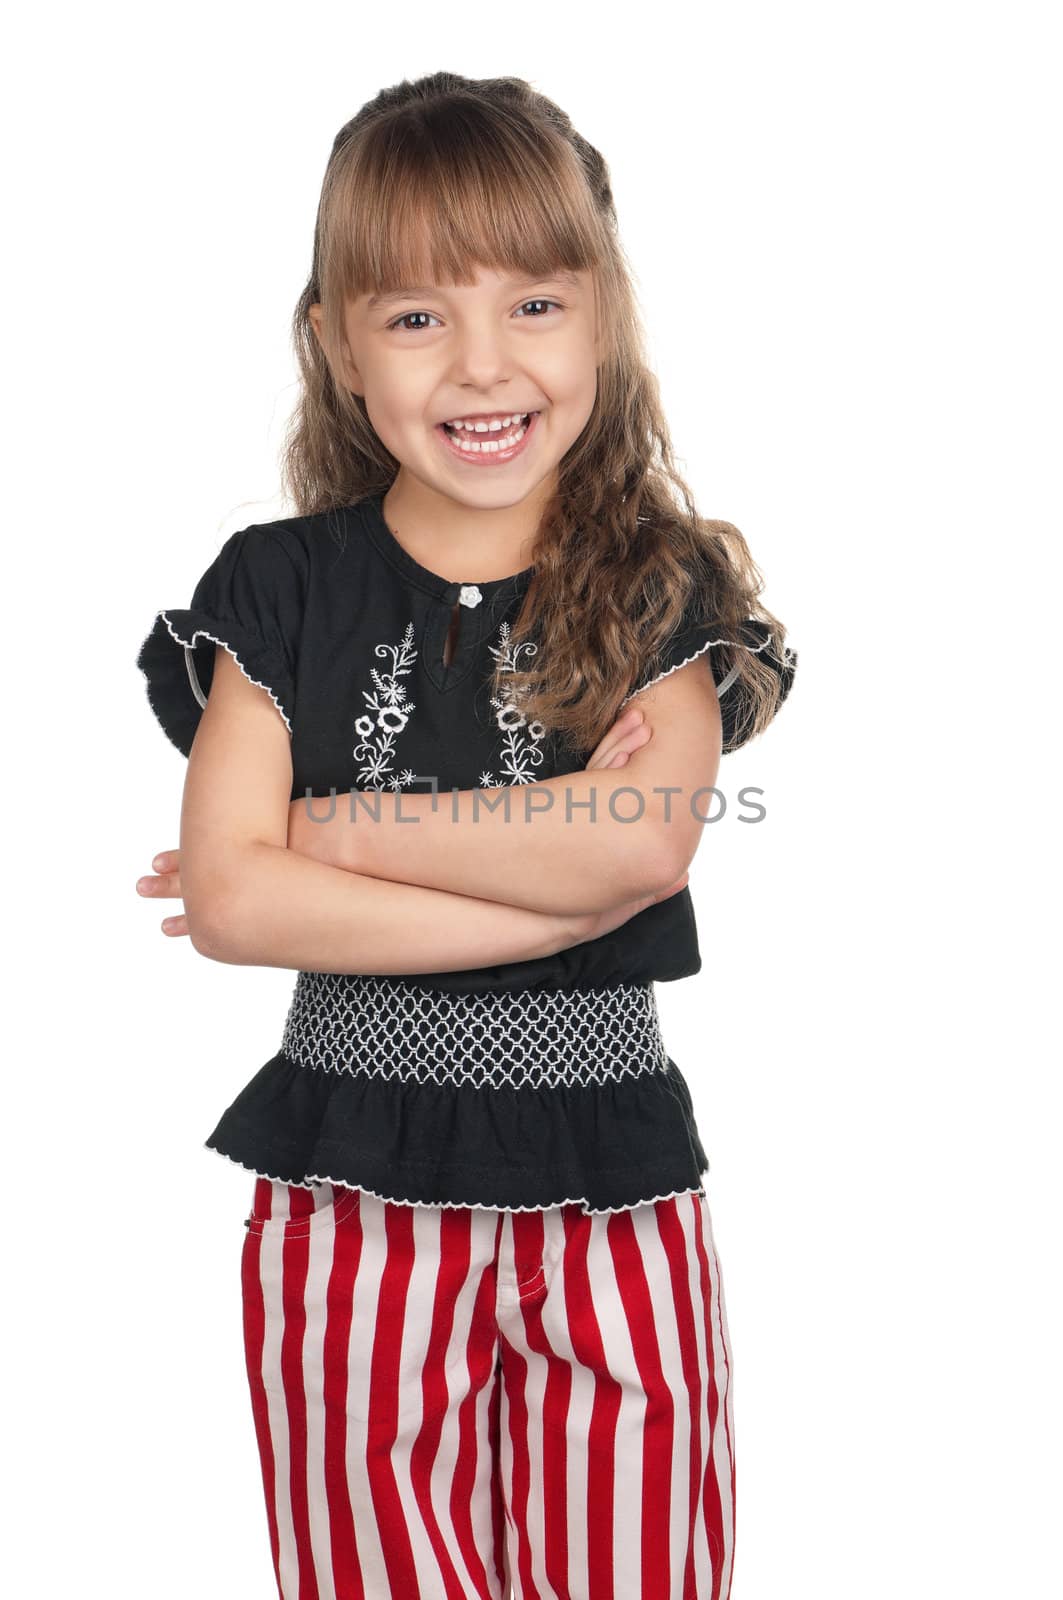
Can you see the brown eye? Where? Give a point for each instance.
(397, 322)
(406, 316)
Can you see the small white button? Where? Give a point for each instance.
(469, 595)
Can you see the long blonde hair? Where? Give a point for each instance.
(429, 180)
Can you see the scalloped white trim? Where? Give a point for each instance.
(754, 650)
(449, 1205)
(188, 645)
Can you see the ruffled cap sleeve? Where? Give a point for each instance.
(696, 637)
(248, 601)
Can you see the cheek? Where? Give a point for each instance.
(390, 416)
(571, 379)
(579, 390)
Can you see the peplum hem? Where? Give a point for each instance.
(604, 1146)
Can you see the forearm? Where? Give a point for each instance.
(558, 846)
(283, 909)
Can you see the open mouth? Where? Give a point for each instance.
(487, 446)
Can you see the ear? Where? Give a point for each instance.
(350, 375)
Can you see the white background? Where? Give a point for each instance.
(841, 219)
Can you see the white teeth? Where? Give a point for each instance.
(495, 426)
(489, 446)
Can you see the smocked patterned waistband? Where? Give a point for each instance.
(516, 1038)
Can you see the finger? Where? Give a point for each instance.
(624, 729)
(626, 746)
(167, 886)
(166, 861)
(621, 725)
(174, 927)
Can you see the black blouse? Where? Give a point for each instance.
(522, 1085)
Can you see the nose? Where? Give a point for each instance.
(482, 357)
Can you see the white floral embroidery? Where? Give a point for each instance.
(388, 711)
(386, 714)
(522, 739)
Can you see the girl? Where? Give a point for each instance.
(485, 1326)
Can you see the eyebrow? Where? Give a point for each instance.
(568, 278)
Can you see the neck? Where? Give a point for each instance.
(452, 538)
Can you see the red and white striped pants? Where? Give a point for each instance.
(454, 1402)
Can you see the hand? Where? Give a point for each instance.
(629, 733)
(165, 885)
(165, 882)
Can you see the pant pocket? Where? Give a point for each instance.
(289, 1211)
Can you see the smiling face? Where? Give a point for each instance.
(501, 347)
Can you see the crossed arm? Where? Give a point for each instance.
(439, 894)
(568, 844)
